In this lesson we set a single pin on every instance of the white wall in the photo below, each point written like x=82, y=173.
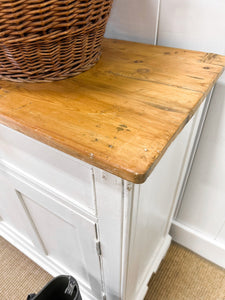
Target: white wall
x=134, y=20
x=193, y=24
x=198, y=25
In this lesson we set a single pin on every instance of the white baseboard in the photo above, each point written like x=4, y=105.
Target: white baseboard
x=198, y=243
x=21, y=243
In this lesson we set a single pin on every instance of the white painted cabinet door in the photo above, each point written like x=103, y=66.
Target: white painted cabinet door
x=69, y=240
x=63, y=237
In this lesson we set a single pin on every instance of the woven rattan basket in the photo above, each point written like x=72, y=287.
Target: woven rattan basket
x=45, y=40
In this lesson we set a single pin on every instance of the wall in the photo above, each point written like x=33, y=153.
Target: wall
x=199, y=223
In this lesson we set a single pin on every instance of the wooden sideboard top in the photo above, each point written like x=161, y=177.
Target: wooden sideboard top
x=121, y=115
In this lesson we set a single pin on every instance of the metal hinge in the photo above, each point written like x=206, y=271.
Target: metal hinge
x=98, y=248
x=99, y=253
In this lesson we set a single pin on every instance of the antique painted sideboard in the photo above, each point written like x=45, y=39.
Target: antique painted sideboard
x=91, y=167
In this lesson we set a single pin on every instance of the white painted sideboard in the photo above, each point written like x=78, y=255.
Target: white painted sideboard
x=91, y=167
x=70, y=217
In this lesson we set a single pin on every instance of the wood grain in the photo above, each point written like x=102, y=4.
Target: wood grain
x=122, y=114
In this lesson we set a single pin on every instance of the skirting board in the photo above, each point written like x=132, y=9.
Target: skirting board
x=18, y=241
x=198, y=243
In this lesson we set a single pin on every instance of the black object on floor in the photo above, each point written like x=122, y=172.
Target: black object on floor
x=62, y=287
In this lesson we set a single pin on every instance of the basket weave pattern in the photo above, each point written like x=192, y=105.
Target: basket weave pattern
x=45, y=40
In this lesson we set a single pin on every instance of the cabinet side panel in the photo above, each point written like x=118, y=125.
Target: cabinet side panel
x=154, y=206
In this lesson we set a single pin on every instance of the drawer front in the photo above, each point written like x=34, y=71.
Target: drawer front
x=59, y=172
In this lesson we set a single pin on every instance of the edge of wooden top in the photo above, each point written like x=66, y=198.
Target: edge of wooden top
x=141, y=178
x=126, y=174
x=210, y=58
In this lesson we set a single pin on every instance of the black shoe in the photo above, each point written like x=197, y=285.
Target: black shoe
x=60, y=288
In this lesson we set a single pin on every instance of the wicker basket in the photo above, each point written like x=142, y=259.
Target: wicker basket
x=45, y=40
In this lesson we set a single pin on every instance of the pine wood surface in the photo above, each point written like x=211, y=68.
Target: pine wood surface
x=122, y=114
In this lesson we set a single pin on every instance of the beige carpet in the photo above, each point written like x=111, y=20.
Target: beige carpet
x=184, y=275
x=181, y=276
x=19, y=276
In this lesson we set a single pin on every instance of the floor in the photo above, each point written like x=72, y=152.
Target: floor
x=181, y=276
x=184, y=275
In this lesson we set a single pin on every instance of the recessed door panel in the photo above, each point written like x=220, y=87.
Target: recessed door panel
x=69, y=240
